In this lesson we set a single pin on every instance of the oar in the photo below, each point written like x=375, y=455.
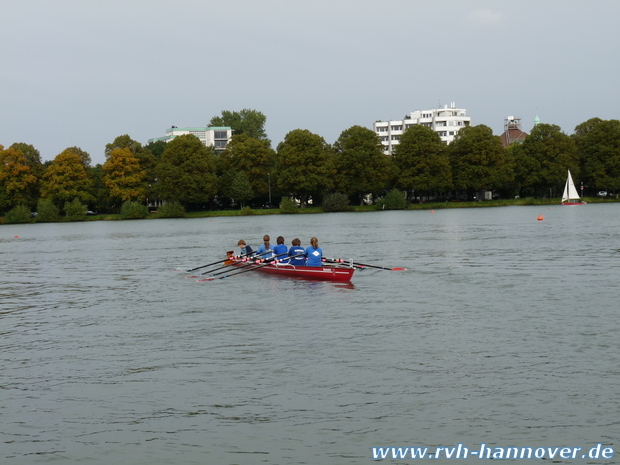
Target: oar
x=340, y=260
x=226, y=266
x=215, y=263
x=249, y=269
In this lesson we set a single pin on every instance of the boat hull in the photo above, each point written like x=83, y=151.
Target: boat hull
x=574, y=203
x=315, y=273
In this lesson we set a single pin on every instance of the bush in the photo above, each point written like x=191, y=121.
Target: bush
x=19, y=214
x=75, y=210
x=288, y=205
x=337, y=202
x=171, y=210
x=394, y=200
x=246, y=211
x=132, y=210
x=47, y=211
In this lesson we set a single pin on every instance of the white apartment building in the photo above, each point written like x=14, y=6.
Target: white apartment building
x=217, y=137
x=446, y=122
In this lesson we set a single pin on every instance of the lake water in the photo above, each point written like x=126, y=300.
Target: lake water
x=505, y=330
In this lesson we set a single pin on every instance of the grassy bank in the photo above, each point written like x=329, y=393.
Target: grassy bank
x=363, y=208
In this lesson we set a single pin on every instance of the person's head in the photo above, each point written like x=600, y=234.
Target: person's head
x=280, y=240
x=241, y=243
x=314, y=242
x=266, y=239
x=296, y=242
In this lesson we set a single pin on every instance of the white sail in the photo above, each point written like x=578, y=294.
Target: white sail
x=570, y=192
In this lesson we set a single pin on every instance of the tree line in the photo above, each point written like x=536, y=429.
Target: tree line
x=304, y=166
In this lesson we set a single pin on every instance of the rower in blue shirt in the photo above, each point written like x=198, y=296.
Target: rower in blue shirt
x=264, y=250
x=297, y=249
x=280, y=250
x=314, y=253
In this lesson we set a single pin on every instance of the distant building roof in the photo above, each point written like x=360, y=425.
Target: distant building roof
x=512, y=135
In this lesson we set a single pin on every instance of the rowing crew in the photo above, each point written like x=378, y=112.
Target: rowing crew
x=295, y=255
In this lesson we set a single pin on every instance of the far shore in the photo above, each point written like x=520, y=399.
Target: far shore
x=358, y=208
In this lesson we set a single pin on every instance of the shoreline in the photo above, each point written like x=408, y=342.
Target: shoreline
x=352, y=209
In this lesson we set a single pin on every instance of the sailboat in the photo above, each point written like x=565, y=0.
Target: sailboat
x=570, y=195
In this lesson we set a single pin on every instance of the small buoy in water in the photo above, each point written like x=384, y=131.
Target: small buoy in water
x=16, y=237
x=432, y=211
x=540, y=218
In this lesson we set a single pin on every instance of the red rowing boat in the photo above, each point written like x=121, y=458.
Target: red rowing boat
x=320, y=273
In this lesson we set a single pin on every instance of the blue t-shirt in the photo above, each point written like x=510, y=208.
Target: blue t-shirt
x=314, y=256
x=297, y=250
x=261, y=250
x=279, y=250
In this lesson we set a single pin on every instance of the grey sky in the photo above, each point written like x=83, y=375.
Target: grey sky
x=80, y=73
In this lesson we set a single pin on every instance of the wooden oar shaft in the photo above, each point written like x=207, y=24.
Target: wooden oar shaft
x=231, y=264
x=252, y=268
x=340, y=260
x=211, y=264
x=250, y=263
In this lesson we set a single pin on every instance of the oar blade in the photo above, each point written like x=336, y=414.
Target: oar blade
x=400, y=269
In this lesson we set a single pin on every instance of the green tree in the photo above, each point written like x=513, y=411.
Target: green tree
x=394, y=200
x=123, y=142
x=305, y=165
x=598, y=146
x=236, y=185
x=550, y=153
x=46, y=211
x=156, y=148
x=186, y=172
x=251, y=156
x=75, y=210
x=102, y=201
x=479, y=161
x=361, y=167
x=132, y=210
x=124, y=176
x=246, y=121
x=66, y=179
x=18, y=180
x=422, y=160
x=18, y=214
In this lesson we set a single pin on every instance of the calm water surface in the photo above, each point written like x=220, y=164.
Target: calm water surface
x=505, y=330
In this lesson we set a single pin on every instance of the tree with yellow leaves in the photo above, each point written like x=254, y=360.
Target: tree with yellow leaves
x=124, y=176
x=66, y=178
x=18, y=181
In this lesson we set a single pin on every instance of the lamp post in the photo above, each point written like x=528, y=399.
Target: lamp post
x=269, y=181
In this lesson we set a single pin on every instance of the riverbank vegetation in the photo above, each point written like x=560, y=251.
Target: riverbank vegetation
x=304, y=173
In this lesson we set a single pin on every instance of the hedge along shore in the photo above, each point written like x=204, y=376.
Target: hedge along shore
x=365, y=208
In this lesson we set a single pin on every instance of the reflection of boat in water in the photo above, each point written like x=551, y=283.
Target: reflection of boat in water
x=317, y=273
x=570, y=195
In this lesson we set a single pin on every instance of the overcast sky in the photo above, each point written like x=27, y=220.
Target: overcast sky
x=80, y=73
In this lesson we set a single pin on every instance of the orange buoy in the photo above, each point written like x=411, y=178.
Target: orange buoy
x=432, y=211
x=540, y=218
x=16, y=237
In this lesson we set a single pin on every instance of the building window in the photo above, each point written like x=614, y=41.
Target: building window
x=395, y=137
x=220, y=144
x=381, y=129
x=440, y=123
x=220, y=135
x=397, y=128
x=442, y=133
